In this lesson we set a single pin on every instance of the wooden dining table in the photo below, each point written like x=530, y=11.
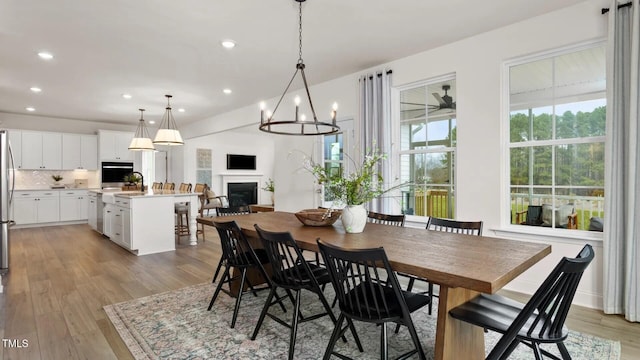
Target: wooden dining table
x=462, y=265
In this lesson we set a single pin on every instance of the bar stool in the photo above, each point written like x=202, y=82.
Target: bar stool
x=182, y=213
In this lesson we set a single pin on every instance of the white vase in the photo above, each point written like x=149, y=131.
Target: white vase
x=354, y=218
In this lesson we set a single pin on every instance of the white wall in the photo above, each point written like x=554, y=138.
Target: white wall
x=477, y=63
x=233, y=142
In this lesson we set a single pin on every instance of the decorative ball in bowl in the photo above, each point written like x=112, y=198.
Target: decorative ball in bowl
x=318, y=217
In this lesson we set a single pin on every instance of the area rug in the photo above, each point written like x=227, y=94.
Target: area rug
x=177, y=325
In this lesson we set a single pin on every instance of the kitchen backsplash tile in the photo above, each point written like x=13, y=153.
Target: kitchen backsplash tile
x=41, y=179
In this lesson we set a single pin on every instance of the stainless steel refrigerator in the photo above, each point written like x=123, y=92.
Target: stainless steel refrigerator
x=7, y=181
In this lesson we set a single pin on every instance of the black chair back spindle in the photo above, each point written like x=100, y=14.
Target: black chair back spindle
x=455, y=226
x=385, y=219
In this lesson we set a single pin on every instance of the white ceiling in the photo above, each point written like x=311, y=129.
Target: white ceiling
x=149, y=48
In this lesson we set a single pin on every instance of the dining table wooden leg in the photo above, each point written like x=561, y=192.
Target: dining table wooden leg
x=457, y=339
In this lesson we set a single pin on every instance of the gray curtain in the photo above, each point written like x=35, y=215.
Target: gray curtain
x=375, y=125
x=622, y=165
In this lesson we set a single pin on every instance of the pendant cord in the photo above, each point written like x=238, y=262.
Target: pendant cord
x=300, y=33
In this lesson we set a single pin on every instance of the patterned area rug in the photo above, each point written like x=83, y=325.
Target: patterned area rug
x=177, y=325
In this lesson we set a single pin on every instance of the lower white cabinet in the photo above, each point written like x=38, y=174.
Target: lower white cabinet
x=74, y=205
x=92, y=210
x=121, y=224
x=32, y=207
x=107, y=217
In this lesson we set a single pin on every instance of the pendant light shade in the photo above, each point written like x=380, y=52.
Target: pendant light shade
x=141, y=140
x=168, y=133
x=298, y=124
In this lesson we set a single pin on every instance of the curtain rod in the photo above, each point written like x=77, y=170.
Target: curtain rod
x=606, y=10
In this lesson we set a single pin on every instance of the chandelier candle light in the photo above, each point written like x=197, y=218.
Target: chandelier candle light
x=141, y=140
x=299, y=125
x=168, y=133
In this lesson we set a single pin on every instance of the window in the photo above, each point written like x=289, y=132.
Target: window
x=556, y=139
x=427, y=148
x=333, y=154
x=204, y=174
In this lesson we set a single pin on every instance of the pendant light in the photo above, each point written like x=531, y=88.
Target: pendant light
x=300, y=125
x=168, y=133
x=141, y=140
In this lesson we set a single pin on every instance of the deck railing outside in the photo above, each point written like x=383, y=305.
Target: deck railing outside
x=585, y=207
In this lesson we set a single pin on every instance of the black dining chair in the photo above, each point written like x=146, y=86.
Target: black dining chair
x=238, y=253
x=539, y=321
x=445, y=225
x=385, y=219
x=292, y=272
x=233, y=210
x=368, y=291
x=455, y=226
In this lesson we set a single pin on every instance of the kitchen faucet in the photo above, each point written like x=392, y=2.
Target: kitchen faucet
x=141, y=179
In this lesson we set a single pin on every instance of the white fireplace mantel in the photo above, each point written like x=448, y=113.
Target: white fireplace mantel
x=235, y=178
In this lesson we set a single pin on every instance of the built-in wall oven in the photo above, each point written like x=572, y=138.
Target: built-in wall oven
x=113, y=173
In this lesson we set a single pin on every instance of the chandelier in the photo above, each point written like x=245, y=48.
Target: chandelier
x=300, y=125
x=141, y=140
x=168, y=133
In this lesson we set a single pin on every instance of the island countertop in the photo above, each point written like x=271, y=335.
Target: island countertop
x=155, y=193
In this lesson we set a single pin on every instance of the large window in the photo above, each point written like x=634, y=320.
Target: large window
x=427, y=148
x=556, y=140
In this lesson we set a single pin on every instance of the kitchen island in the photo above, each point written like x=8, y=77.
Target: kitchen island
x=144, y=223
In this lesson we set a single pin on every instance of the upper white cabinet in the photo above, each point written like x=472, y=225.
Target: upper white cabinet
x=114, y=145
x=79, y=152
x=44, y=150
x=15, y=140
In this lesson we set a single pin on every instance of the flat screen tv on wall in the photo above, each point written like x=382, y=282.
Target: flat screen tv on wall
x=241, y=162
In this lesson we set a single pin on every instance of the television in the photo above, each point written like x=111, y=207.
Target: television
x=241, y=162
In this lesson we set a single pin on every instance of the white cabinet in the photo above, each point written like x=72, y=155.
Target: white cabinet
x=15, y=140
x=41, y=150
x=92, y=210
x=79, y=152
x=114, y=145
x=32, y=207
x=121, y=226
x=73, y=205
x=107, y=225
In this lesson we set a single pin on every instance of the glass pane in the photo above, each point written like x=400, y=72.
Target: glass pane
x=531, y=124
x=333, y=148
x=531, y=85
x=438, y=168
x=441, y=98
x=440, y=133
x=531, y=165
x=412, y=103
x=413, y=135
x=581, y=119
x=580, y=164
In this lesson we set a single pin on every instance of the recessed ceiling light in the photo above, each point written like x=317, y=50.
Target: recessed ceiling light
x=152, y=122
x=227, y=91
x=29, y=108
x=229, y=44
x=45, y=55
x=35, y=89
x=181, y=110
x=127, y=96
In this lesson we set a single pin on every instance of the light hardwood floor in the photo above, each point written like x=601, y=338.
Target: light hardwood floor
x=62, y=276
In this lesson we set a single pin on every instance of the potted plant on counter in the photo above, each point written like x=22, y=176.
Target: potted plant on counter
x=131, y=182
x=56, y=180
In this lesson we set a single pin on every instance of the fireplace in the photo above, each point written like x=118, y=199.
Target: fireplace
x=244, y=193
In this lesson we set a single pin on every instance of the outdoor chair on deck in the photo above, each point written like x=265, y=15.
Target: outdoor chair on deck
x=368, y=291
x=539, y=321
x=293, y=273
x=238, y=253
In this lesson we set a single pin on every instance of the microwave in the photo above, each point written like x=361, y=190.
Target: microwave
x=114, y=172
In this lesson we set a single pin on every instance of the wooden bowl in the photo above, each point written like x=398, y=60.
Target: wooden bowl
x=318, y=217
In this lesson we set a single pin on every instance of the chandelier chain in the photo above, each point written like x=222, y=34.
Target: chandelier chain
x=300, y=33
